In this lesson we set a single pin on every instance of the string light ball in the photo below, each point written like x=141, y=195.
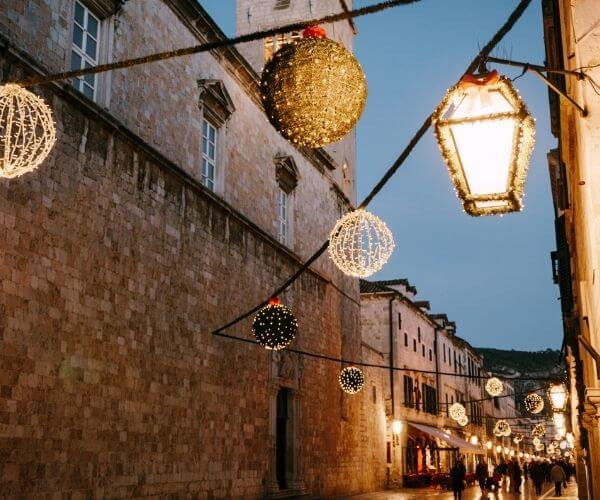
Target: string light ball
x=534, y=403
x=494, y=386
x=518, y=438
x=463, y=421
x=539, y=431
x=274, y=326
x=351, y=380
x=502, y=428
x=313, y=90
x=536, y=440
x=457, y=411
x=539, y=447
x=27, y=131
x=360, y=244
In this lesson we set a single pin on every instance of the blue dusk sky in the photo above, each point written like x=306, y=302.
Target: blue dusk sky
x=492, y=275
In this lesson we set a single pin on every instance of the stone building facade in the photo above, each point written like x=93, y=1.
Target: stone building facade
x=431, y=368
x=168, y=206
x=572, y=38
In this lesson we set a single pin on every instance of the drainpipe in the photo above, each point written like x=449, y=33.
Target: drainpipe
x=392, y=356
x=437, y=370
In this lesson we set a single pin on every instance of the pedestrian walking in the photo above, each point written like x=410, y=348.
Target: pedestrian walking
x=515, y=477
x=481, y=473
x=536, y=471
x=558, y=476
x=458, y=474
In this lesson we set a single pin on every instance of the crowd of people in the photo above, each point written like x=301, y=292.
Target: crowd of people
x=514, y=475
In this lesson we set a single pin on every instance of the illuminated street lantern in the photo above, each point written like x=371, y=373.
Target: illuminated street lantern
x=396, y=427
x=558, y=394
x=498, y=449
x=486, y=136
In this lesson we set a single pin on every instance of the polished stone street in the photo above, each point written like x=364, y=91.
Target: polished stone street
x=474, y=493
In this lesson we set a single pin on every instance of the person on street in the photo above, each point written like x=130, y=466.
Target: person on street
x=481, y=473
x=558, y=476
x=536, y=471
x=515, y=476
x=458, y=473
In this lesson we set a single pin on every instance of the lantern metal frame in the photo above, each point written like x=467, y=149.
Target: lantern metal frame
x=555, y=407
x=523, y=141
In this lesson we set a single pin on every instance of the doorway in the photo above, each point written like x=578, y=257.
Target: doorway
x=283, y=438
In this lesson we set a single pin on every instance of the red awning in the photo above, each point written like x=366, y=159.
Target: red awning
x=451, y=440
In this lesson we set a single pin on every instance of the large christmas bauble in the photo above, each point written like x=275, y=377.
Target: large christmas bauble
x=360, y=244
x=27, y=132
x=502, y=428
x=494, y=386
x=274, y=326
x=351, y=379
x=534, y=403
x=539, y=430
x=313, y=91
x=457, y=411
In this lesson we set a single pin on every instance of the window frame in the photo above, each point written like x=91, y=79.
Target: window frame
x=104, y=16
x=209, y=125
x=283, y=219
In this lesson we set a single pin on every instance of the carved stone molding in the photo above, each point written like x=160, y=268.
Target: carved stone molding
x=591, y=405
x=215, y=101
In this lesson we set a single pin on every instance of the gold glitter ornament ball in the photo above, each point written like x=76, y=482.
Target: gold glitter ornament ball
x=351, y=379
x=27, y=131
x=314, y=91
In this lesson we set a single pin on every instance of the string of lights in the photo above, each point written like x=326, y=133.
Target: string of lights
x=216, y=44
x=477, y=61
x=386, y=367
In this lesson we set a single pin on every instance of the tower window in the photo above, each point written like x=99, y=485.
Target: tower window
x=274, y=43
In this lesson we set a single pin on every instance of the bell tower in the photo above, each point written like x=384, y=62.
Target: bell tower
x=254, y=16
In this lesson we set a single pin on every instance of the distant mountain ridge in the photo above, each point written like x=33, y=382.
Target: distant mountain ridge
x=518, y=363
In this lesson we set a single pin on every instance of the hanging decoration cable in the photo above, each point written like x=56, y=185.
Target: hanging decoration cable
x=478, y=60
x=225, y=42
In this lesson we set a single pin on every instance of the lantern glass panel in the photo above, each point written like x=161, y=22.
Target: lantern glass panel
x=485, y=148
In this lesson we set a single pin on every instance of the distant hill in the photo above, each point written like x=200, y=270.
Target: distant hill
x=523, y=364
x=515, y=363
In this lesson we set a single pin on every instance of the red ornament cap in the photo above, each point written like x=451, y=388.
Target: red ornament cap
x=274, y=301
x=315, y=31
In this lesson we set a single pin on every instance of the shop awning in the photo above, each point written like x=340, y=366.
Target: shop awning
x=452, y=441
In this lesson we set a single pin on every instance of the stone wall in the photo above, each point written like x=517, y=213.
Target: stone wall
x=115, y=266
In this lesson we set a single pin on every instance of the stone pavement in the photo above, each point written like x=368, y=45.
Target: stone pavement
x=474, y=493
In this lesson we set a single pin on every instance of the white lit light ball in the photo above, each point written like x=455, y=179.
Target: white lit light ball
x=494, y=386
x=27, y=131
x=360, y=244
x=457, y=411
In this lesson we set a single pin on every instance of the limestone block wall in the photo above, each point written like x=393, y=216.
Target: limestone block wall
x=115, y=266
